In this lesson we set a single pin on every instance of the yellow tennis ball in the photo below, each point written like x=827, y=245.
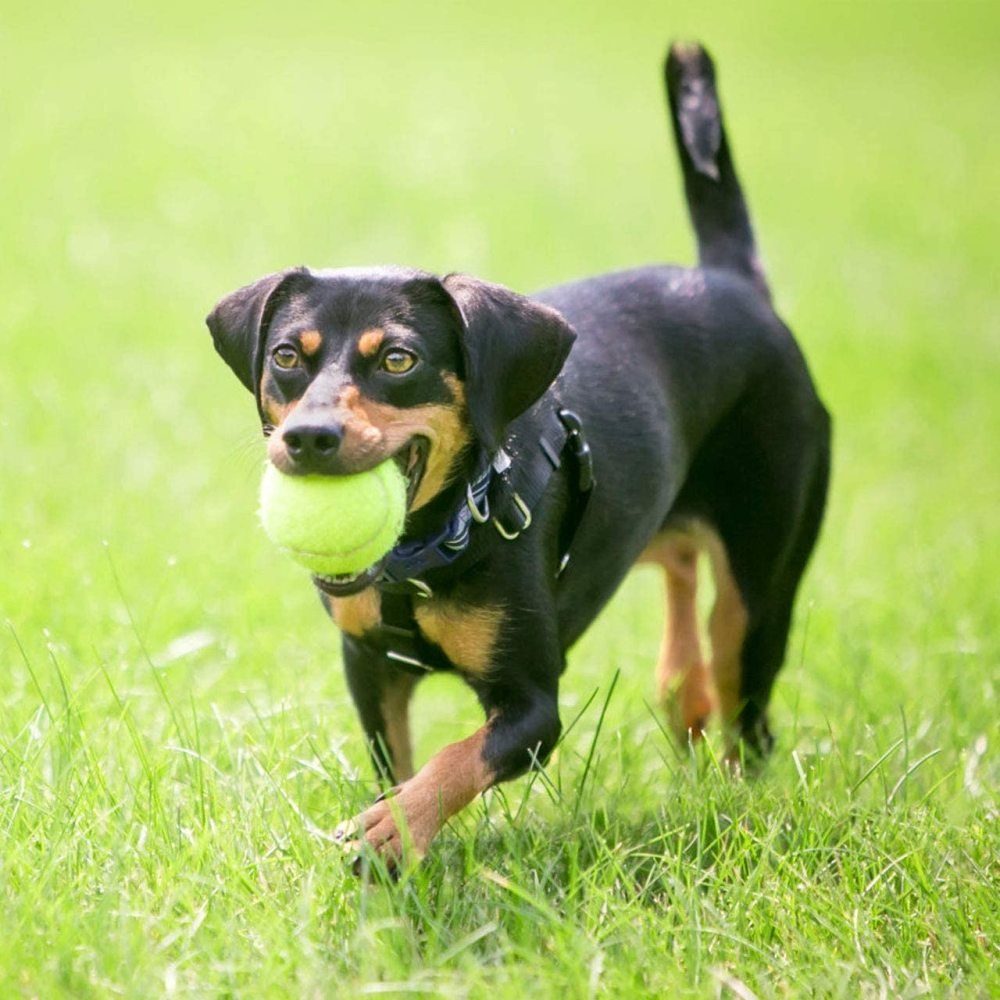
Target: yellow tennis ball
x=334, y=525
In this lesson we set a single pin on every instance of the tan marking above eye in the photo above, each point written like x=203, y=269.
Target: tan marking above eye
x=370, y=341
x=310, y=341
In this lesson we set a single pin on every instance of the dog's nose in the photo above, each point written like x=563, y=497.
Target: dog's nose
x=312, y=446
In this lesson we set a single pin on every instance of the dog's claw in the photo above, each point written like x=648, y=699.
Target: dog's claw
x=344, y=833
x=387, y=794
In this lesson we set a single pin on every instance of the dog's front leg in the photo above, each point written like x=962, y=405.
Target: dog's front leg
x=521, y=729
x=381, y=694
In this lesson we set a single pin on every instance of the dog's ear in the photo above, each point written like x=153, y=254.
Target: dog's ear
x=238, y=323
x=513, y=349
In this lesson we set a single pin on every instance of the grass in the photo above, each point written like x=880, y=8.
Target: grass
x=175, y=736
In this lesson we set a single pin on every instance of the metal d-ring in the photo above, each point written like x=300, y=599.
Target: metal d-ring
x=422, y=589
x=479, y=516
x=522, y=509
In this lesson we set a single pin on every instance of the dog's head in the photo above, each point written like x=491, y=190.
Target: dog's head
x=352, y=367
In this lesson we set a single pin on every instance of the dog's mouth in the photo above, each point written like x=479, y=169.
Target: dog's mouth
x=412, y=462
x=345, y=584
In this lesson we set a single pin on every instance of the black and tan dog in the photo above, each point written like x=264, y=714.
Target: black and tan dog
x=550, y=443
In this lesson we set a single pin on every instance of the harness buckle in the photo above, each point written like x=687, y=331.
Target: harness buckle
x=571, y=421
x=522, y=509
x=586, y=464
x=581, y=449
x=501, y=461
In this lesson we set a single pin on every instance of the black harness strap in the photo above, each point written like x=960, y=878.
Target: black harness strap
x=515, y=489
x=399, y=637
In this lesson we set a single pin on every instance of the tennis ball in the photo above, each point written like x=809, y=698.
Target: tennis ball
x=334, y=525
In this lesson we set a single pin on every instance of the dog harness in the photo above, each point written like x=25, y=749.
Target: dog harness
x=499, y=500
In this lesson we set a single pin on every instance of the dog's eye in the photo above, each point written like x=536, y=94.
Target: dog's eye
x=285, y=357
x=397, y=361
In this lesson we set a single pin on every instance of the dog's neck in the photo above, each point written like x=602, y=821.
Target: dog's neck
x=432, y=517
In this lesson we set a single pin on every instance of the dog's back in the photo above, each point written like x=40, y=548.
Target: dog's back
x=705, y=426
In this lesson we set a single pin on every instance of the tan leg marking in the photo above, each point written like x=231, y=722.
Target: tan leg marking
x=727, y=628
x=683, y=683
x=358, y=613
x=310, y=341
x=446, y=784
x=370, y=341
x=396, y=712
x=467, y=633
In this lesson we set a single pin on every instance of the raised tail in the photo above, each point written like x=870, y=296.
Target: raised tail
x=715, y=200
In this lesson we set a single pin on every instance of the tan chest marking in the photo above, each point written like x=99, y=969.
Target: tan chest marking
x=467, y=633
x=358, y=613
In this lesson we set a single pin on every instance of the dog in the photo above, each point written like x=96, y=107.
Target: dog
x=550, y=443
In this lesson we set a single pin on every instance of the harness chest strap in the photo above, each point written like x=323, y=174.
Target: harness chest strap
x=502, y=498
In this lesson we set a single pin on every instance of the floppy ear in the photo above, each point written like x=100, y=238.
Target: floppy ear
x=238, y=322
x=513, y=350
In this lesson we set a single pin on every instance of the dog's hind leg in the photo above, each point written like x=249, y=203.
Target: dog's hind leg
x=767, y=634
x=683, y=685
x=766, y=527
x=727, y=629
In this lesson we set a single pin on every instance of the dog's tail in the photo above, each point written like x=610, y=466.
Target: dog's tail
x=715, y=200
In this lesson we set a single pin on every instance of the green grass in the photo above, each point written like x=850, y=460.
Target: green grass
x=175, y=735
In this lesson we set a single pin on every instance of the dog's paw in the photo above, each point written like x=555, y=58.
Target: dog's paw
x=688, y=703
x=397, y=828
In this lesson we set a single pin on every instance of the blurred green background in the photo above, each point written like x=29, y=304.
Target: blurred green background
x=154, y=158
